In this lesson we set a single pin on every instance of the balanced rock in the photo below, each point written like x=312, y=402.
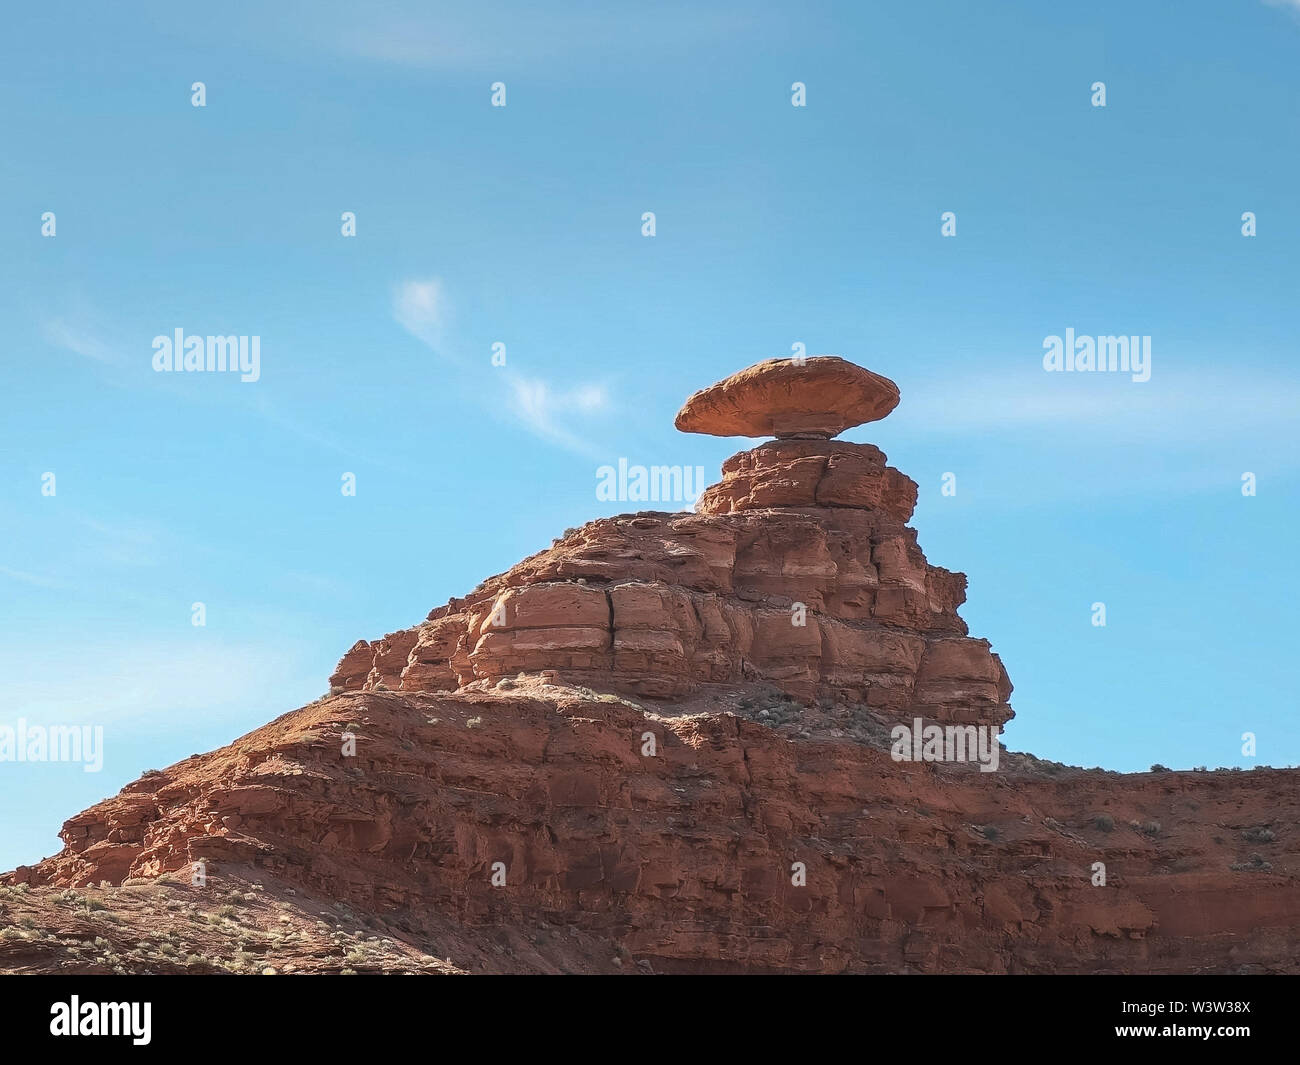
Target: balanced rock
x=797, y=571
x=769, y=645
x=819, y=396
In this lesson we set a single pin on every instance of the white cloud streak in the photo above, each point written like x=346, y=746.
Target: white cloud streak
x=420, y=307
x=1179, y=408
x=147, y=679
x=76, y=339
x=551, y=413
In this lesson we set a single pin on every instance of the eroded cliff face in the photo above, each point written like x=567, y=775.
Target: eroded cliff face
x=626, y=754
x=798, y=569
x=684, y=859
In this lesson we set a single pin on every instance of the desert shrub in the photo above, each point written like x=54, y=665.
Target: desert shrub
x=1103, y=822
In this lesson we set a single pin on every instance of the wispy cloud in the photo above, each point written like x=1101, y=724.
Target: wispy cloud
x=1176, y=408
x=1183, y=433
x=553, y=414
x=265, y=407
x=1292, y=7
x=34, y=579
x=128, y=543
x=420, y=307
x=78, y=339
x=145, y=679
x=483, y=37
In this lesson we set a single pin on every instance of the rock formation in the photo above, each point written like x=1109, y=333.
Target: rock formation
x=819, y=396
x=610, y=758
x=797, y=569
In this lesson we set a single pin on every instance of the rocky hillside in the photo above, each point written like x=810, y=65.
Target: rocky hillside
x=664, y=745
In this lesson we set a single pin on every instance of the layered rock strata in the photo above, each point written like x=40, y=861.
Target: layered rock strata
x=797, y=569
x=681, y=861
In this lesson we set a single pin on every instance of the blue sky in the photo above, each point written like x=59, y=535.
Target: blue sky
x=522, y=225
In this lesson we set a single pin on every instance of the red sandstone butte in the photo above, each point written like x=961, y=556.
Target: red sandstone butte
x=634, y=728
